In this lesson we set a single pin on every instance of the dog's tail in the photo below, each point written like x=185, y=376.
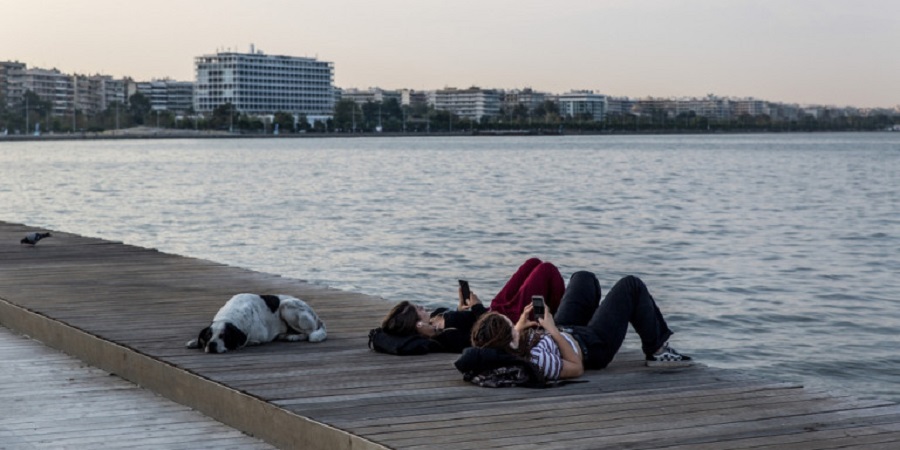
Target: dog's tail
x=320, y=333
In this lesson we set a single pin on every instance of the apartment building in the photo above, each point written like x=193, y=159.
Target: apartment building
x=472, y=103
x=95, y=93
x=750, y=107
x=529, y=98
x=581, y=103
x=51, y=85
x=11, y=82
x=411, y=98
x=260, y=84
x=374, y=95
x=619, y=105
x=165, y=94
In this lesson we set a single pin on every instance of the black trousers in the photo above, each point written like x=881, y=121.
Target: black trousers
x=600, y=327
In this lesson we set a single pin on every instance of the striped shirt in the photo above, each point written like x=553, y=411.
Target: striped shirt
x=545, y=354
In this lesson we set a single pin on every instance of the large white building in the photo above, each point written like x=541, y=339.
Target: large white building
x=259, y=84
x=581, y=103
x=473, y=103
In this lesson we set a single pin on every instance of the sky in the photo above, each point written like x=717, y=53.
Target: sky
x=827, y=52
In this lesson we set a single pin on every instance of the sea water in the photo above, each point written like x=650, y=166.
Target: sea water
x=775, y=254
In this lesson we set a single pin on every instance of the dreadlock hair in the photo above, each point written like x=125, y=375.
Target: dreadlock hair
x=401, y=319
x=493, y=330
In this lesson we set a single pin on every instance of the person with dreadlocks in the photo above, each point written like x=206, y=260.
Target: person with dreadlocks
x=585, y=333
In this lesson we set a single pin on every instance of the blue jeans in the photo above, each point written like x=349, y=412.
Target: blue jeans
x=600, y=327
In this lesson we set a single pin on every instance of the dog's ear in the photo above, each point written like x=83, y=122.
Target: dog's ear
x=201, y=340
x=234, y=338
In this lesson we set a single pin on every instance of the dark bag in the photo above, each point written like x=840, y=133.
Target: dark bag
x=398, y=345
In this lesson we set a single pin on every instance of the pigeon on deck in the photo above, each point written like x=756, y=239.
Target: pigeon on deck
x=33, y=238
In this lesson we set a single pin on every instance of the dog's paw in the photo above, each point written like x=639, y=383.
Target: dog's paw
x=292, y=337
x=319, y=335
x=193, y=343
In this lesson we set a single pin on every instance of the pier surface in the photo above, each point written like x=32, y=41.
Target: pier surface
x=52, y=400
x=129, y=310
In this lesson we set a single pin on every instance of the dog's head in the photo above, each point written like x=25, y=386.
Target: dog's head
x=219, y=337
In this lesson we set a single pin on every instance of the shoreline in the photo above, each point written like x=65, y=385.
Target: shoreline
x=190, y=134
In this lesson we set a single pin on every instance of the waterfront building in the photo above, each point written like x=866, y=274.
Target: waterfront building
x=411, y=98
x=472, y=103
x=374, y=95
x=95, y=93
x=712, y=107
x=784, y=112
x=655, y=106
x=53, y=86
x=581, y=104
x=166, y=94
x=750, y=107
x=12, y=82
x=259, y=84
x=527, y=97
x=619, y=105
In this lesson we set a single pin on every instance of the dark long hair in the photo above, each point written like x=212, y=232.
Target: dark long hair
x=492, y=330
x=401, y=319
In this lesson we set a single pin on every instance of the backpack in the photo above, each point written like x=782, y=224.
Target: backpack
x=413, y=344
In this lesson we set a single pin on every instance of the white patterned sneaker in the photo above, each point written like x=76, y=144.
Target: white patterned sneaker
x=669, y=357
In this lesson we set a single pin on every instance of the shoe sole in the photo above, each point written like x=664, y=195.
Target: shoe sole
x=670, y=364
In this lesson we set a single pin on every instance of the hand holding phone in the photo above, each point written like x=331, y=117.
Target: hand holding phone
x=466, y=293
x=537, y=303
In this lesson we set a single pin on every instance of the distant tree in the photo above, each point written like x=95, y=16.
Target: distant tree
x=223, y=117
x=347, y=115
x=138, y=107
x=285, y=122
x=546, y=109
x=303, y=123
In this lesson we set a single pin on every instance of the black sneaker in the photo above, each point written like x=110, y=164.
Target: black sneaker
x=669, y=357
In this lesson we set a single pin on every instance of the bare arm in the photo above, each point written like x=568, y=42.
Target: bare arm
x=572, y=365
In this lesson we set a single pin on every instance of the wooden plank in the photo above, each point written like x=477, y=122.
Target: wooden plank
x=147, y=304
x=51, y=400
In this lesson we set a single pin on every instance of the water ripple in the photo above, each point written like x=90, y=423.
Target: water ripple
x=772, y=253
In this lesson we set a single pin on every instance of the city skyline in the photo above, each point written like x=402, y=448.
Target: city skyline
x=808, y=52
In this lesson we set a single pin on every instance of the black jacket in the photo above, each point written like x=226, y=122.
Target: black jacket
x=454, y=339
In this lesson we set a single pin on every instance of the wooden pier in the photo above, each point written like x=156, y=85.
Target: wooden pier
x=129, y=311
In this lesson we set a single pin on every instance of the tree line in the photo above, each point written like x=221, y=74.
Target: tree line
x=392, y=117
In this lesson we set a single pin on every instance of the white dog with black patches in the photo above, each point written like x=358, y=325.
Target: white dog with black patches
x=251, y=319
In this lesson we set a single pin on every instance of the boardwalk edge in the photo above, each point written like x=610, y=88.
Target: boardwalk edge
x=246, y=413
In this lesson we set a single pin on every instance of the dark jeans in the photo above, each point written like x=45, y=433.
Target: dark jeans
x=601, y=326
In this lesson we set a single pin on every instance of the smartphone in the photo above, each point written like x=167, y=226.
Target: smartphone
x=466, y=293
x=537, y=301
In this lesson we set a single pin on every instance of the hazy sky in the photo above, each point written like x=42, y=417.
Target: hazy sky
x=834, y=52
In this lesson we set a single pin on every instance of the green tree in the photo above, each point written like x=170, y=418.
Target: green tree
x=223, y=117
x=303, y=123
x=347, y=116
x=138, y=108
x=285, y=122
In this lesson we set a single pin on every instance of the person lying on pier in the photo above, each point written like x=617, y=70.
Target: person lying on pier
x=409, y=329
x=585, y=333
